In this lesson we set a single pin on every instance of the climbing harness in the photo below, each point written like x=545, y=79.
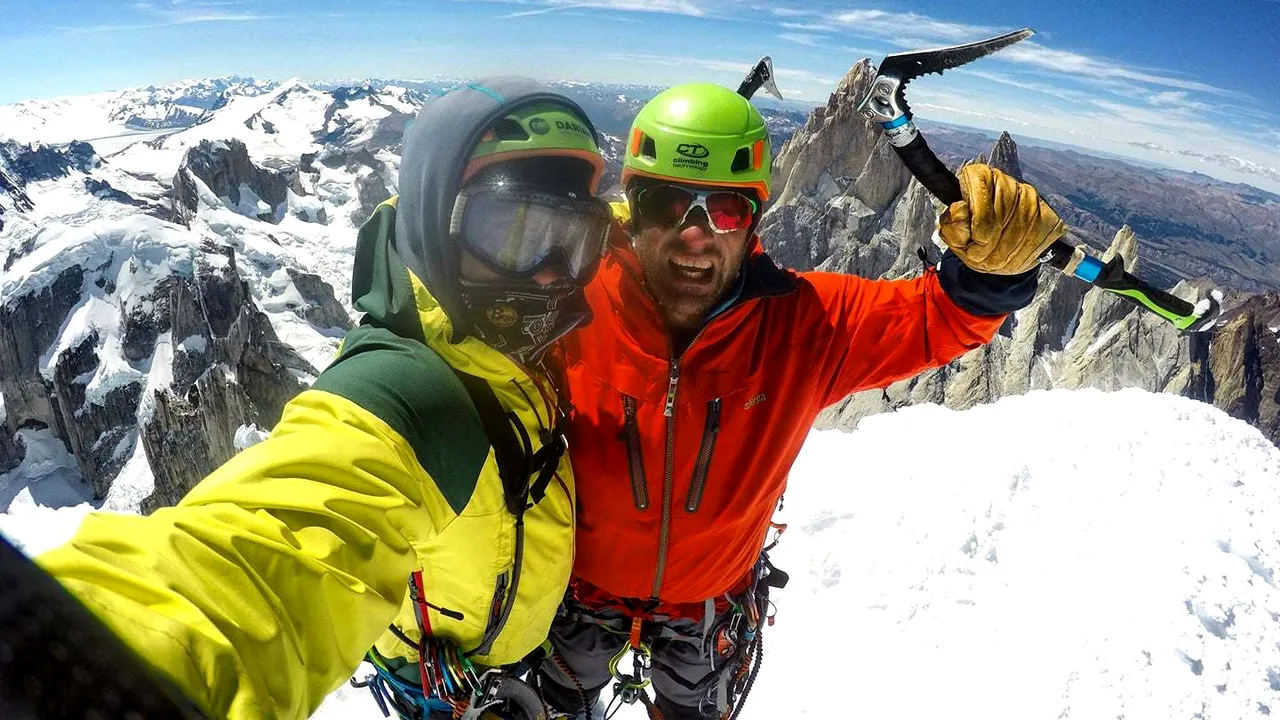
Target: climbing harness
x=732, y=644
x=629, y=688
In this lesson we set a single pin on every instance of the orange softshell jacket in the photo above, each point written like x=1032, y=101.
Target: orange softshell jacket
x=680, y=461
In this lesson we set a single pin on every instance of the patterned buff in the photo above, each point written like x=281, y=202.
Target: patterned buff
x=523, y=322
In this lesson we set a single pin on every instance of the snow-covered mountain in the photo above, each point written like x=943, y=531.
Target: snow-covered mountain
x=157, y=297
x=105, y=115
x=1054, y=556
x=180, y=105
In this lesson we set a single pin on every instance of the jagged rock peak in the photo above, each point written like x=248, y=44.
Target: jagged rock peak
x=849, y=92
x=835, y=142
x=1004, y=156
x=225, y=168
x=1125, y=244
x=37, y=161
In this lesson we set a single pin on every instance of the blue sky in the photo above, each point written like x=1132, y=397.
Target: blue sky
x=1192, y=84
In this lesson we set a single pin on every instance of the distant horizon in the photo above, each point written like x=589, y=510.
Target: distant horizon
x=1194, y=87
x=1021, y=136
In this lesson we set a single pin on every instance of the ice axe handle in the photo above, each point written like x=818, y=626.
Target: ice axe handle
x=1110, y=276
x=929, y=170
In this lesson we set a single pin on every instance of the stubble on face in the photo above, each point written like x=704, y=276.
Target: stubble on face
x=688, y=269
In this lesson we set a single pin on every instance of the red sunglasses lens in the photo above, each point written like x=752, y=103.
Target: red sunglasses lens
x=729, y=211
x=665, y=205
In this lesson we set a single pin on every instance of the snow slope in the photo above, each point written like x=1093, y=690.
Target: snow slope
x=130, y=115
x=1055, y=555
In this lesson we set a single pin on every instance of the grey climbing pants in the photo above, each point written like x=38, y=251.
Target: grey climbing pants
x=688, y=675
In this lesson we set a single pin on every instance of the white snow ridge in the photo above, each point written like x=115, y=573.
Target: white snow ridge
x=1059, y=555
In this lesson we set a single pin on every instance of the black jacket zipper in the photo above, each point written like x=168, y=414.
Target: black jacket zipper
x=631, y=436
x=709, y=433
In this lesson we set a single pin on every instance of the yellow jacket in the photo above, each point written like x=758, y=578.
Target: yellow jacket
x=262, y=590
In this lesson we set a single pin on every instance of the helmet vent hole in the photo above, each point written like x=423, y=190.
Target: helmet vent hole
x=648, y=149
x=508, y=129
x=741, y=160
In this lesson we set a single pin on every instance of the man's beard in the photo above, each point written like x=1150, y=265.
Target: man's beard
x=683, y=309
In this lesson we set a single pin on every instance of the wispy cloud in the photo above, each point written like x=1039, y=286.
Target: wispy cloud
x=1174, y=136
x=176, y=12
x=1065, y=62
x=1230, y=162
x=808, y=39
x=668, y=7
x=1005, y=79
x=881, y=23
x=539, y=11
x=809, y=27
x=794, y=83
x=915, y=31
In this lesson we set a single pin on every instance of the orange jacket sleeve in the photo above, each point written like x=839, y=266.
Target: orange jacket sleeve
x=887, y=330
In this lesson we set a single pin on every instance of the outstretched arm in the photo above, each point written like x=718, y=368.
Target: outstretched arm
x=261, y=591
x=887, y=330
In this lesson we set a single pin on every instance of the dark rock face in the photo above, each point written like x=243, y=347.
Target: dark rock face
x=1244, y=364
x=1004, y=156
x=322, y=309
x=103, y=190
x=843, y=204
x=229, y=369
x=372, y=190
x=225, y=168
x=11, y=449
x=145, y=320
x=33, y=163
x=100, y=433
x=28, y=326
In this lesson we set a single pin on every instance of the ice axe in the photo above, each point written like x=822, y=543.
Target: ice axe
x=760, y=76
x=886, y=104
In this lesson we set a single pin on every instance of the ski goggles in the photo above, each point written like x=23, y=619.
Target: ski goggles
x=670, y=205
x=517, y=232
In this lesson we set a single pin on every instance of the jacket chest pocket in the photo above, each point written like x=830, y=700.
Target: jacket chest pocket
x=706, y=449
x=635, y=460
x=630, y=437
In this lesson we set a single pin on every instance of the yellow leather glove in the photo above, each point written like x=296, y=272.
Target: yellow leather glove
x=1002, y=226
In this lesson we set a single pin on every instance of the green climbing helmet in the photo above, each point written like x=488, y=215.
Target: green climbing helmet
x=700, y=134
x=543, y=129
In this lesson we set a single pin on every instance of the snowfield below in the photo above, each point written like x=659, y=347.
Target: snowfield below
x=1056, y=555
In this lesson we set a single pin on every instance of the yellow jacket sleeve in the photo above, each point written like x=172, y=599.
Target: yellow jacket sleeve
x=261, y=591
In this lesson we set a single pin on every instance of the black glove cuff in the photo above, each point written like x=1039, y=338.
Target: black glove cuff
x=983, y=293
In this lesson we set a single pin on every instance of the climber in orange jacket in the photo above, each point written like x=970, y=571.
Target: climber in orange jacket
x=696, y=384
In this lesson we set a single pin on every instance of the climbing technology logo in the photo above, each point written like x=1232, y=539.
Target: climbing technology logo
x=503, y=316
x=754, y=402
x=691, y=156
x=693, y=150
x=539, y=126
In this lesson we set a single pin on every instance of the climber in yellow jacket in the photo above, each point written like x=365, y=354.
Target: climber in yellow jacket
x=417, y=497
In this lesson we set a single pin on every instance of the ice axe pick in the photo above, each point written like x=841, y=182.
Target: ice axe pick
x=886, y=103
